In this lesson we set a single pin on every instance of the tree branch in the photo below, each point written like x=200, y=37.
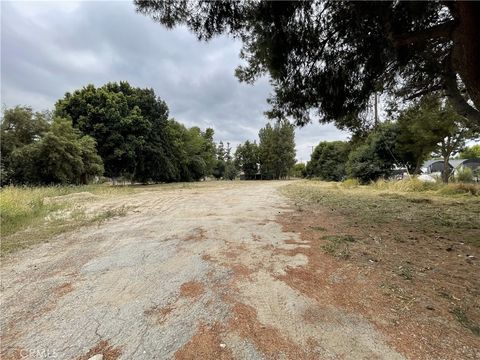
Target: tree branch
x=440, y=31
x=425, y=91
x=456, y=99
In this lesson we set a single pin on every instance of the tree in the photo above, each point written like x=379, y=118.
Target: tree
x=328, y=160
x=299, y=170
x=430, y=125
x=276, y=150
x=420, y=129
x=230, y=170
x=333, y=55
x=375, y=158
x=129, y=126
x=470, y=152
x=19, y=126
x=246, y=158
x=61, y=156
x=193, y=151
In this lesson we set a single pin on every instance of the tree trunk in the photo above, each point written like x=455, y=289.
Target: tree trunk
x=418, y=167
x=466, y=49
x=446, y=169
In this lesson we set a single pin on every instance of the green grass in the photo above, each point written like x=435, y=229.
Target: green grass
x=23, y=207
x=428, y=209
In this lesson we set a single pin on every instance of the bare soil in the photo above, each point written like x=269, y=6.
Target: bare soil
x=227, y=271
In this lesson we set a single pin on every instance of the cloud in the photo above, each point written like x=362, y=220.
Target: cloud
x=49, y=48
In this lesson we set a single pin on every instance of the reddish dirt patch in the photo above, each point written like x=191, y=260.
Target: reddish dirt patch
x=205, y=344
x=267, y=339
x=192, y=289
x=413, y=310
x=103, y=347
x=241, y=270
x=63, y=289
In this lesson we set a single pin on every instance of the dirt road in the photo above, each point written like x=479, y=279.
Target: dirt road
x=187, y=273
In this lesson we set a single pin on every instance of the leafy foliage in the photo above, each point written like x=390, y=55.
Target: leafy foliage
x=470, y=152
x=193, y=151
x=129, y=125
x=333, y=55
x=375, y=158
x=328, y=161
x=60, y=155
x=276, y=150
x=246, y=159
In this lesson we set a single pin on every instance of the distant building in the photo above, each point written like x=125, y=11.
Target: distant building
x=436, y=166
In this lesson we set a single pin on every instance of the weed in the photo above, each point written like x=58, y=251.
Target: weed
x=338, y=245
x=405, y=271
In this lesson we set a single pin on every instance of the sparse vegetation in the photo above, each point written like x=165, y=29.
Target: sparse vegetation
x=338, y=245
x=451, y=209
x=31, y=215
x=463, y=319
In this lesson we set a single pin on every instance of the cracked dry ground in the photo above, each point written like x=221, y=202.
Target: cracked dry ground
x=199, y=273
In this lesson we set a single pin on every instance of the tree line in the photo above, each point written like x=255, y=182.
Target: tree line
x=273, y=157
x=124, y=132
x=429, y=127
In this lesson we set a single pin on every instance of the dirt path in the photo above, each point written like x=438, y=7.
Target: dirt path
x=190, y=273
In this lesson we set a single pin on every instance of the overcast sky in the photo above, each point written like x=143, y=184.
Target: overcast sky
x=49, y=48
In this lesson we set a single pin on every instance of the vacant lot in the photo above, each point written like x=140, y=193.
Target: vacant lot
x=245, y=270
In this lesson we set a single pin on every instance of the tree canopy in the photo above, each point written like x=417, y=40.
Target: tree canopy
x=328, y=160
x=331, y=56
x=129, y=125
x=470, y=152
x=276, y=150
x=246, y=159
x=36, y=150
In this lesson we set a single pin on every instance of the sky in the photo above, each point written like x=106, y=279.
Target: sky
x=50, y=48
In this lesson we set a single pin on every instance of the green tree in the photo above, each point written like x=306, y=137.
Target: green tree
x=375, y=158
x=328, y=160
x=61, y=155
x=19, y=126
x=430, y=125
x=129, y=125
x=246, y=158
x=420, y=128
x=276, y=150
x=299, y=170
x=193, y=151
x=231, y=171
x=470, y=152
x=333, y=55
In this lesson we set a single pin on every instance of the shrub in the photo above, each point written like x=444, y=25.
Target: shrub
x=464, y=175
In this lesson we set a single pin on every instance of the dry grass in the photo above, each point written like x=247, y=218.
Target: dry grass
x=412, y=264
x=450, y=210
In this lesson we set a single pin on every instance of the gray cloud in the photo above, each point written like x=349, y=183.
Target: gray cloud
x=49, y=48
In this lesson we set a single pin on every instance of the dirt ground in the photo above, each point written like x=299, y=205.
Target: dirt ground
x=229, y=271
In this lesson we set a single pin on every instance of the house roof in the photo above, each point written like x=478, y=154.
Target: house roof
x=455, y=163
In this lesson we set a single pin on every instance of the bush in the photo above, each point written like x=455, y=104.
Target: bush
x=374, y=159
x=464, y=175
